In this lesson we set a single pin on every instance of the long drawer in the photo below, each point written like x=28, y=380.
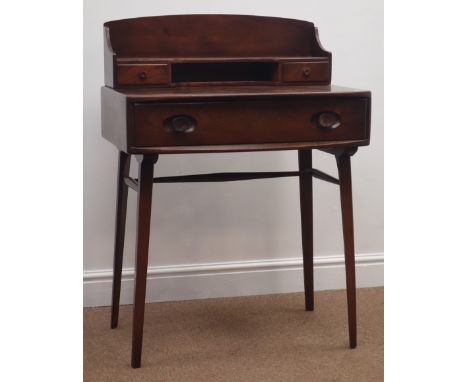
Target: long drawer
x=244, y=122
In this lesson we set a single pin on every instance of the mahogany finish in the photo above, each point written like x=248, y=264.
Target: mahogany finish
x=307, y=225
x=304, y=71
x=247, y=122
x=344, y=170
x=225, y=40
x=121, y=214
x=145, y=188
x=225, y=83
x=273, y=116
x=143, y=74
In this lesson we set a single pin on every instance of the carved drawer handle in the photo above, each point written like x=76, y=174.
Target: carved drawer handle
x=180, y=124
x=328, y=120
x=306, y=71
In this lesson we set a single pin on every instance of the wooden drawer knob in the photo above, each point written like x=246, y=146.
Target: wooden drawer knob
x=180, y=124
x=306, y=71
x=142, y=75
x=329, y=120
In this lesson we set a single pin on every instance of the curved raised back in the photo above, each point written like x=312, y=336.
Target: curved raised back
x=213, y=36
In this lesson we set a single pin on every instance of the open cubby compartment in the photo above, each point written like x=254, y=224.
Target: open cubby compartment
x=225, y=71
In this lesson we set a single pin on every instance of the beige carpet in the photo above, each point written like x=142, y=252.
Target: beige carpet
x=261, y=338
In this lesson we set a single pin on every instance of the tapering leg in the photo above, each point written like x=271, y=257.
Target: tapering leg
x=305, y=190
x=344, y=170
x=145, y=188
x=121, y=215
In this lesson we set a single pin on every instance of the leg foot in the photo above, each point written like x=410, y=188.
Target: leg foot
x=305, y=190
x=344, y=170
x=145, y=188
x=121, y=214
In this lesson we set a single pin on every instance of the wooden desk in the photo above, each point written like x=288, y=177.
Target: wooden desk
x=225, y=83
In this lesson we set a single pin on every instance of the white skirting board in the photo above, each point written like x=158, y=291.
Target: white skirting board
x=229, y=279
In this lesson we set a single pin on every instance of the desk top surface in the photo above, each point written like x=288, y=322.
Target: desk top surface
x=235, y=91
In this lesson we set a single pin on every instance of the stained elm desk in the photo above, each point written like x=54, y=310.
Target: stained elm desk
x=225, y=99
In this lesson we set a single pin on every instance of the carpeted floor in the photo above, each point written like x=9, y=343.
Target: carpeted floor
x=260, y=338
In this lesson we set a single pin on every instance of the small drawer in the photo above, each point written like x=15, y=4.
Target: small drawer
x=143, y=74
x=305, y=72
x=250, y=122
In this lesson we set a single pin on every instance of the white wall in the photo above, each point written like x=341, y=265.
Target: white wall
x=240, y=221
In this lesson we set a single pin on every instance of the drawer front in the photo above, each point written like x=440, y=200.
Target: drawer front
x=141, y=74
x=218, y=123
x=305, y=72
